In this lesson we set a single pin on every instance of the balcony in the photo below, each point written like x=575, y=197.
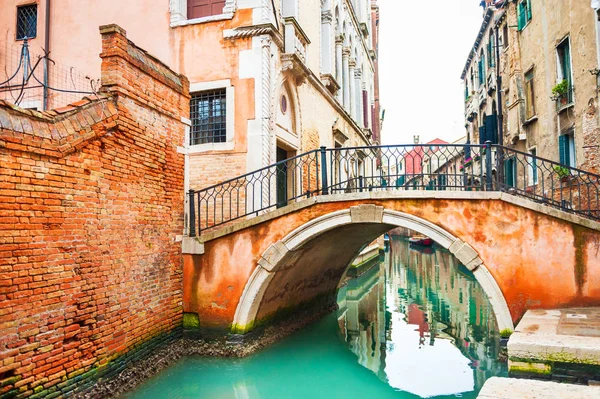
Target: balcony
x=471, y=106
x=295, y=49
x=482, y=96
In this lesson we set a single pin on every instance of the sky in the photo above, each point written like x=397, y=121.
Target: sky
x=423, y=48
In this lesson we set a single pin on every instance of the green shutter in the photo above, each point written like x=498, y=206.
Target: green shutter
x=529, y=10
x=509, y=172
x=521, y=16
x=491, y=128
x=482, y=135
x=563, y=149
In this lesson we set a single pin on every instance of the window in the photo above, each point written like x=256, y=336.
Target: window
x=505, y=36
x=524, y=12
x=510, y=172
x=204, y=8
x=27, y=22
x=529, y=94
x=482, y=69
x=490, y=52
x=532, y=163
x=566, y=149
x=563, y=54
x=209, y=116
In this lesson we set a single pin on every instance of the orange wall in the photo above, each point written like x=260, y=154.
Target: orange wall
x=197, y=51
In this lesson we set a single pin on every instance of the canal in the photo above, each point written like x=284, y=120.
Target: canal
x=415, y=324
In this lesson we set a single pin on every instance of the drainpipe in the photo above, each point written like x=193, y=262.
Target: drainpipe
x=47, y=50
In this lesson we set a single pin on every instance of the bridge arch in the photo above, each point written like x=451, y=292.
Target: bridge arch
x=275, y=269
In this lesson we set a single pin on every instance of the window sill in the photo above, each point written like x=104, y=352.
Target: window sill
x=526, y=25
x=196, y=21
x=201, y=148
x=529, y=121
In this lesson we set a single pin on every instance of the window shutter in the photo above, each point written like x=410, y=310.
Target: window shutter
x=529, y=14
x=482, y=137
x=204, y=8
x=521, y=16
x=509, y=172
x=490, y=129
x=563, y=149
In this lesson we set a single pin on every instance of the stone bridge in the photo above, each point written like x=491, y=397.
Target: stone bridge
x=524, y=254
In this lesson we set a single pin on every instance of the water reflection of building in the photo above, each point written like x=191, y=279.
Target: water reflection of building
x=362, y=317
x=431, y=301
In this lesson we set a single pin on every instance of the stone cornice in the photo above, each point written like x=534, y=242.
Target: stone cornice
x=255, y=30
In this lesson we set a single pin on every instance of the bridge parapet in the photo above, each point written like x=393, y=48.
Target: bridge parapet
x=398, y=168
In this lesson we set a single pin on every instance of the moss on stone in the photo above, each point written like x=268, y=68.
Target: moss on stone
x=10, y=394
x=10, y=380
x=279, y=315
x=191, y=321
x=530, y=368
x=506, y=333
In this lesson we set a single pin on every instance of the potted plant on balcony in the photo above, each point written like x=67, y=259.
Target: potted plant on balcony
x=563, y=173
x=560, y=92
x=468, y=162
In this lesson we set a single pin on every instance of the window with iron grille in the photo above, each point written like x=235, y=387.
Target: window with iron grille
x=208, y=113
x=27, y=22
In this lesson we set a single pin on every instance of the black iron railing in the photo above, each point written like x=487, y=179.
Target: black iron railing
x=436, y=167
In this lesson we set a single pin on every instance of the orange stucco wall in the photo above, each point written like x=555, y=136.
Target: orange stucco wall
x=537, y=260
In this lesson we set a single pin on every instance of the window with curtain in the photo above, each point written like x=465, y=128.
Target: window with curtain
x=529, y=94
x=204, y=8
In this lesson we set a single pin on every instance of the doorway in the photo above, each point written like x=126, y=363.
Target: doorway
x=281, y=178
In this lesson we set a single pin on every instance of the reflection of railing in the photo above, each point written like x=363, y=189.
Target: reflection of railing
x=435, y=167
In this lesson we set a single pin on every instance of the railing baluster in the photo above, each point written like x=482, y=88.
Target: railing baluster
x=192, y=221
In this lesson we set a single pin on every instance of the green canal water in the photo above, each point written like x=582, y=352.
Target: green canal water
x=415, y=325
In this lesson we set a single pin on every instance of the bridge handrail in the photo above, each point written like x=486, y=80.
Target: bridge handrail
x=554, y=163
x=466, y=167
x=265, y=168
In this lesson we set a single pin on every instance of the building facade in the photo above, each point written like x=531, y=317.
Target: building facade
x=268, y=79
x=531, y=83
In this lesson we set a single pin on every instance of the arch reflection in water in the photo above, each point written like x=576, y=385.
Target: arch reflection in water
x=421, y=322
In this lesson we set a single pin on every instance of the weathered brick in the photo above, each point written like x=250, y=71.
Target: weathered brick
x=91, y=200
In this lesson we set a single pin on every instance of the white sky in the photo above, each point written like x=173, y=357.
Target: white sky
x=423, y=47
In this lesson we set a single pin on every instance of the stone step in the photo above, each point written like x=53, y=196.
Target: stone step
x=561, y=345
x=513, y=388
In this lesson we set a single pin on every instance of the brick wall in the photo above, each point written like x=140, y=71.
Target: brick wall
x=91, y=202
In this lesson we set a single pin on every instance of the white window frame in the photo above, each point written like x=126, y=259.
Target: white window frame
x=229, y=143
x=178, y=11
